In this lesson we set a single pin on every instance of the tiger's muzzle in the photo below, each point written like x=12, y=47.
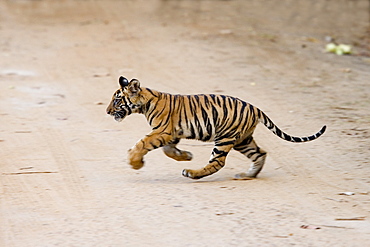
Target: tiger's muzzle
x=120, y=115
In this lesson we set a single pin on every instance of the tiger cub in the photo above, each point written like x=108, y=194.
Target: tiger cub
x=227, y=121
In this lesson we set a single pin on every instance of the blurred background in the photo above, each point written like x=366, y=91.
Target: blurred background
x=64, y=174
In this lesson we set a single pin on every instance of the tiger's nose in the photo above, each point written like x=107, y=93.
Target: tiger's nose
x=109, y=111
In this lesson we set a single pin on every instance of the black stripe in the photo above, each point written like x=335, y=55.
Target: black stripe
x=241, y=114
x=258, y=156
x=253, y=116
x=312, y=137
x=204, y=115
x=150, y=91
x=209, y=132
x=278, y=132
x=156, y=127
x=214, y=115
x=224, y=143
x=192, y=132
x=213, y=98
x=219, y=153
x=287, y=137
x=215, y=168
x=151, y=116
x=206, y=100
x=230, y=102
x=259, y=113
x=297, y=139
x=218, y=101
x=235, y=114
x=169, y=111
x=154, y=146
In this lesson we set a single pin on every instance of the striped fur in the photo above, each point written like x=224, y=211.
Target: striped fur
x=227, y=121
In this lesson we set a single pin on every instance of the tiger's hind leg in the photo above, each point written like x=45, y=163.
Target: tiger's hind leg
x=216, y=162
x=173, y=152
x=249, y=148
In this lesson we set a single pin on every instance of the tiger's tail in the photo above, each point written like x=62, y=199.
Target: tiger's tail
x=263, y=118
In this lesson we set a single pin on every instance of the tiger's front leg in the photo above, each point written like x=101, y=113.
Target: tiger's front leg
x=148, y=143
x=216, y=162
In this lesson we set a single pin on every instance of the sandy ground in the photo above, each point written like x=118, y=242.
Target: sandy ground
x=64, y=176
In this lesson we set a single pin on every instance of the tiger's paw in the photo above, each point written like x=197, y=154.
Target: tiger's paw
x=135, y=160
x=177, y=154
x=137, y=164
x=190, y=174
x=183, y=156
x=243, y=176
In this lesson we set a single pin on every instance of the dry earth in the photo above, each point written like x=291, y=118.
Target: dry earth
x=64, y=176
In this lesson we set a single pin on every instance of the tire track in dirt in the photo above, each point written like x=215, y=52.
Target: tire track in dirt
x=67, y=166
x=23, y=196
x=26, y=200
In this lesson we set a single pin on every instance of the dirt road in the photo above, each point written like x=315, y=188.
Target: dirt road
x=64, y=176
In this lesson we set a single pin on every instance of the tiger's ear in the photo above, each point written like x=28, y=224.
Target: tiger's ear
x=123, y=82
x=134, y=87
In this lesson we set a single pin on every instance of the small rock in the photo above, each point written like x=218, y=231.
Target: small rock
x=347, y=70
x=310, y=227
x=225, y=31
x=346, y=193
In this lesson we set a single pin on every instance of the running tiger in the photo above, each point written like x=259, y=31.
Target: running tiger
x=226, y=120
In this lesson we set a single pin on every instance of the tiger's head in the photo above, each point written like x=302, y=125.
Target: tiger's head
x=125, y=100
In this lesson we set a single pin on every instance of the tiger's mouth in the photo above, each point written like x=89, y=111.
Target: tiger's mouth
x=119, y=116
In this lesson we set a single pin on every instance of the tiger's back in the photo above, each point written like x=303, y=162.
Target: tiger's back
x=201, y=117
